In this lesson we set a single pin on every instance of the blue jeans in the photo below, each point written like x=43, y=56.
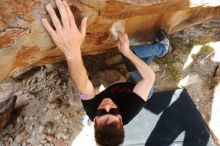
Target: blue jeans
x=147, y=53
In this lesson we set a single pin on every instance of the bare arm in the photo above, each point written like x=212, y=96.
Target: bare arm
x=143, y=87
x=69, y=39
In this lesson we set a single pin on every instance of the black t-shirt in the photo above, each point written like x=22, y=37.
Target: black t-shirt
x=129, y=103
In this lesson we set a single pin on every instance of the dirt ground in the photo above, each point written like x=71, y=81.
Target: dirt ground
x=48, y=111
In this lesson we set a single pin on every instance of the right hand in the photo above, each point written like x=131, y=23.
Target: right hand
x=66, y=34
x=123, y=44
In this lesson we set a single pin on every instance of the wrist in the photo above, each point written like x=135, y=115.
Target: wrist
x=128, y=53
x=73, y=55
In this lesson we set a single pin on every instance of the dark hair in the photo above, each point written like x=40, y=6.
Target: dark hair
x=109, y=134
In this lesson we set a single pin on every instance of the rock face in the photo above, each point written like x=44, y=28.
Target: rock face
x=6, y=107
x=24, y=42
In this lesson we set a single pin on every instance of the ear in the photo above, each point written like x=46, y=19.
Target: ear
x=94, y=120
x=120, y=117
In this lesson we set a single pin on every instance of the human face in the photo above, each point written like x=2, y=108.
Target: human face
x=107, y=104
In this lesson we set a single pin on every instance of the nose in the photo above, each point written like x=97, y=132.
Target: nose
x=107, y=107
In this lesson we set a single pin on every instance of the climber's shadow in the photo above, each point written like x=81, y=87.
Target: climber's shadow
x=179, y=116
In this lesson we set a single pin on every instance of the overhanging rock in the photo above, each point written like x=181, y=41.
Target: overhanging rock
x=24, y=42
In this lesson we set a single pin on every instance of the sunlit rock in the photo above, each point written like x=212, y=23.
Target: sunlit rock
x=25, y=43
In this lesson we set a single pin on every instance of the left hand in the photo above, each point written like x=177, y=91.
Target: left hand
x=123, y=44
x=66, y=36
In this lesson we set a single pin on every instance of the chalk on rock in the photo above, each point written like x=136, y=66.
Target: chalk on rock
x=117, y=26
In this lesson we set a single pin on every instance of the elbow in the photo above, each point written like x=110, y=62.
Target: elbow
x=150, y=78
x=154, y=76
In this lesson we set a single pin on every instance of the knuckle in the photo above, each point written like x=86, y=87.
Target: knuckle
x=57, y=41
x=54, y=38
x=57, y=24
x=50, y=31
x=64, y=17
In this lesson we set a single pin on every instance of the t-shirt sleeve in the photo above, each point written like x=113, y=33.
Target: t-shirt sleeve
x=129, y=104
x=91, y=106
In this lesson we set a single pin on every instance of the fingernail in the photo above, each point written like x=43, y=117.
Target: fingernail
x=48, y=6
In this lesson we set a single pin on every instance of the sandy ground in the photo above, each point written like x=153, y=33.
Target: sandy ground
x=49, y=112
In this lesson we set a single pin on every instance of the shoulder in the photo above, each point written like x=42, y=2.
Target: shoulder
x=91, y=105
x=129, y=105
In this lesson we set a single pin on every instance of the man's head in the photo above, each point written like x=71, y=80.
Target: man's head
x=109, y=129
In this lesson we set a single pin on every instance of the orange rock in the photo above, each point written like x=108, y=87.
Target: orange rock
x=21, y=137
x=25, y=43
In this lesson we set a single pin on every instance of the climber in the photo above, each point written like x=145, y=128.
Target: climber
x=119, y=103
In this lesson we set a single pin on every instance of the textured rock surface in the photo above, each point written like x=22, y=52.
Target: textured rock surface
x=45, y=86
x=24, y=42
